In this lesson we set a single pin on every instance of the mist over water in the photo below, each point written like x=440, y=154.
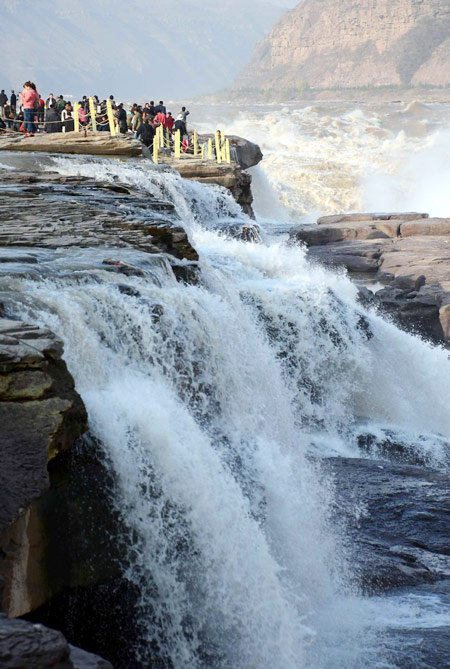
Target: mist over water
x=215, y=403
x=328, y=158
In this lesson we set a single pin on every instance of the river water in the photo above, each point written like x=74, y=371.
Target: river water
x=217, y=402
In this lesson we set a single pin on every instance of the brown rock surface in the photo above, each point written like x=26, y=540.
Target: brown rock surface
x=100, y=144
x=41, y=416
x=410, y=256
x=341, y=43
x=78, y=211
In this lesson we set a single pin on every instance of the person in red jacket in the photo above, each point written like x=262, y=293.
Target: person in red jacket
x=28, y=98
x=169, y=121
x=161, y=118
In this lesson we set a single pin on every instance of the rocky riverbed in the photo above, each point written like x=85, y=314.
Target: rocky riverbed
x=409, y=254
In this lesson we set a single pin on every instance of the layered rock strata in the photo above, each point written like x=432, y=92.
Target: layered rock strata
x=408, y=253
x=53, y=211
x=231, y=176
x=41, y=416
x=101, y=144
x=344, y=44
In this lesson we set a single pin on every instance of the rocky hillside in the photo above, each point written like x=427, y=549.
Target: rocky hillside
x=341, y=43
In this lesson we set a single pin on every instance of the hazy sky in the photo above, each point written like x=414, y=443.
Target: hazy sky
x=131, y=48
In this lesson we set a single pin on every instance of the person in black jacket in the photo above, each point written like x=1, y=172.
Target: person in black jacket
x=3, y=102
x=121, y=116
x=13, y=101
x=50, y=101
x=181, y=126
x=160, y=108
x=52, y=120
x=146, y=133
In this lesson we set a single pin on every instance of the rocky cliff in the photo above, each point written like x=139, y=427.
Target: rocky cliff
x=341, y=43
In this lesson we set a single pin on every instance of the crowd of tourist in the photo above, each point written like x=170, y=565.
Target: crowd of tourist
x=29, y=113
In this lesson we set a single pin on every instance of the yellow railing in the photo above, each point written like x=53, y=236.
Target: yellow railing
x=217, y=149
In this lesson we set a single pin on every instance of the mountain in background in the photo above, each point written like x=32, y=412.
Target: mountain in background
x=347, y=44
x=132, y=49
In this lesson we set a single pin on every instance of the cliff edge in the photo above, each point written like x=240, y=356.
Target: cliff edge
x=343, y=44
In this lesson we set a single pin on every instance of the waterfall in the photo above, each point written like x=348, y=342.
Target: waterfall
x=213, y=403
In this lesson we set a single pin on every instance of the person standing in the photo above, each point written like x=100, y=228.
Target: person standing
x=13, y=101
x=60, y=104
x=3, y=102
x=67, y=119
x=121, y=116
x=146, y=133
x=180, y=125
x=28, y=99
x=184, y=114
x=50, y=102
x=160, y=108
x=170, y=121
x=137, y=121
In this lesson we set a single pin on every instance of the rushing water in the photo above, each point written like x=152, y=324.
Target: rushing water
x=210, y=400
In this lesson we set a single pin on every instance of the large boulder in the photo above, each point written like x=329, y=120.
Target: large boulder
x=27, y=646
x=41, y=415
x=409, y=253
x=246, y=153
x=402, y=536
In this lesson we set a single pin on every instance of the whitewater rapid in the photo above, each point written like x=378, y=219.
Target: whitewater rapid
x=329, y=158
x=214, y=404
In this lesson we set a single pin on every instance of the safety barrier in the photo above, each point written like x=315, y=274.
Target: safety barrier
x=165, y=140
x=218, y=149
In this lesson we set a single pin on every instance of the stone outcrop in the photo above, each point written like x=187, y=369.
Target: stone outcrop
x=24, y=645
x=245, y=153
x=228, y=176
x=402, y=537
x=233, y=177
x=409, y=253
x=41, y=416
x=344, y=44
x=97, y=215
x=100, y=144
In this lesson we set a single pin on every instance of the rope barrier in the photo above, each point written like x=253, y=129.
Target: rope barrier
x=164, y=138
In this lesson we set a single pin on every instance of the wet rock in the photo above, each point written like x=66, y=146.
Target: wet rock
x=128, y=290
x=186, y=273
x=415, y=311
x=409, y=253
x=18, y=258
x=24, y=645
x=122, y=267
x=390, y=447
x=228, y=176
x=397, y=517
x=242, y=232
x=81, y=659
x=245, y=153
x=41, y=416
x=78, y=211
